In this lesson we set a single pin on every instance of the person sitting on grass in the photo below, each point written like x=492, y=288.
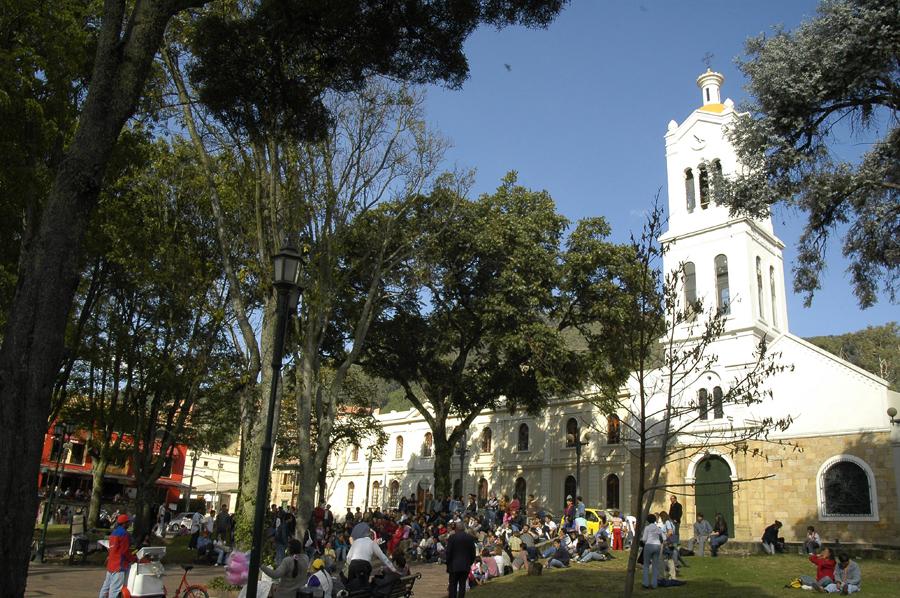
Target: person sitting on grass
x=847, y=576
x=771, y=543
x=489, y=565
x=824, y=563
x=521, y=560
x=560, y=558
x=702, y=530
x=719, y=535
x=598, y=550
x=813, y=540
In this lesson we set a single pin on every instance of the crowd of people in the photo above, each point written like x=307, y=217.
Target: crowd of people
x=506, y=535
x=476, y=543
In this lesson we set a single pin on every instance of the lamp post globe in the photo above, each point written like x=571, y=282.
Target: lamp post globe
x=287, y=264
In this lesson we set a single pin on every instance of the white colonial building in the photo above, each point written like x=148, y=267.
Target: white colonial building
x=845, y=480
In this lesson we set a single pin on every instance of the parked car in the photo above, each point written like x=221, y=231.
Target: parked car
x=592, y=516
x=179, y=520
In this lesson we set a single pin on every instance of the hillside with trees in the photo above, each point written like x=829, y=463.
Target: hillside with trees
x=875, y=349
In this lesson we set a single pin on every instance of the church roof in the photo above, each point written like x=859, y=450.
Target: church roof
x=716, y=108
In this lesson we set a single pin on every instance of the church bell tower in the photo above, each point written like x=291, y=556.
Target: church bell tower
x=731, y=264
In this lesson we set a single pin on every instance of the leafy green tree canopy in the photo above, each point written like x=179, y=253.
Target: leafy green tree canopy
x=837, y=72
x=266, y=70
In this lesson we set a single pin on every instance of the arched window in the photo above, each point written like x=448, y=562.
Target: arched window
x=398, y=449
x=486, y=439
x=723, y=296
x=351, y=487
x=612, y=491
x=704, y=188
x=846, y=489
x=354, y=453
x=613, y=429
x=394, y=494
x=376, y=494
x=482, y=492
x=569, y=488
x=427, y=444
x=689, y=189
x=519, y=490
x=717, y=175
x=759, y=289
x=703, y=400
x=523, y=437
x=690, y=286
x=571, y=432
x=718, y=408
x=772, y=291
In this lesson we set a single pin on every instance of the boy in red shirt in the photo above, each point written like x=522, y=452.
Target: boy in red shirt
x=119, y=558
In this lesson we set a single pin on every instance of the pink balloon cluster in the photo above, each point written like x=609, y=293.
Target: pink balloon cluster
x=238, y=568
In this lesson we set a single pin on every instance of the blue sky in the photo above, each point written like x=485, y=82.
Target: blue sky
x=582, y=110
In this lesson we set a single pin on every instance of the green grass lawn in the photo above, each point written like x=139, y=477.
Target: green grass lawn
x=56, y=534
x=724, y=577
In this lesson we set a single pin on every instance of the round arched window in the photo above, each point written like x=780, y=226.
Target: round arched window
x=846, y=488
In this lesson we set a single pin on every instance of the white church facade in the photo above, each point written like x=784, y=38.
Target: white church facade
x=839, y=468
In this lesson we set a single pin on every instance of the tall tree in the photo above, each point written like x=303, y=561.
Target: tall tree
x=834, y=80
x=471, y=324
x=418, y=40
x=154, y=349
x=127, y=38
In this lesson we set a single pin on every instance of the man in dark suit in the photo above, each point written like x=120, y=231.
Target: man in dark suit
x=675, y=513
x=460, y=556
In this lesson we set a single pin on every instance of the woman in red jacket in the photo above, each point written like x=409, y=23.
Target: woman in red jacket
x=824, y=562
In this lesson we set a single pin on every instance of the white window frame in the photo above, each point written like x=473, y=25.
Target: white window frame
x=820, y=490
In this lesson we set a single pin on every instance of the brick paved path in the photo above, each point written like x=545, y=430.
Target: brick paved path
x=84, y=582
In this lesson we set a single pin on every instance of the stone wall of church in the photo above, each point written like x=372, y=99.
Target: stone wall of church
x=791, y=496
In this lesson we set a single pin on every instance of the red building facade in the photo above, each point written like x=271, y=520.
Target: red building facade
x=75, y=470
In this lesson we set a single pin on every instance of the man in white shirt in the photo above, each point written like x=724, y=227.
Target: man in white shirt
x=209, y=521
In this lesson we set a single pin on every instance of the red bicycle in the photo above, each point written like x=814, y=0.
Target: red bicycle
x=189, y=590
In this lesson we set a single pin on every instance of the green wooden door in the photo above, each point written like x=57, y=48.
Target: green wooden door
x=713, y=492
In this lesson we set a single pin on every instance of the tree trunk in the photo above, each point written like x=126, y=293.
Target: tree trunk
x=98, y=470
x=253, y=421
x=33, y=340
x=323, y=481
x=142, y=514
x=443, y=456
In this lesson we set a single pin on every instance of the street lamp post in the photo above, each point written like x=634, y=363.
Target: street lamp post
x=287, y=264
x=61, y=433
x=370, y=456
x=463, y=451
x=578, y=444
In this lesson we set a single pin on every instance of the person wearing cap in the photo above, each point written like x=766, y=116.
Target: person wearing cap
x=118, y=559
x=320, y=580
x=291, y=571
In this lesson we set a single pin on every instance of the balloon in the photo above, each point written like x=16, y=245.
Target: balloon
x=237, y=568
